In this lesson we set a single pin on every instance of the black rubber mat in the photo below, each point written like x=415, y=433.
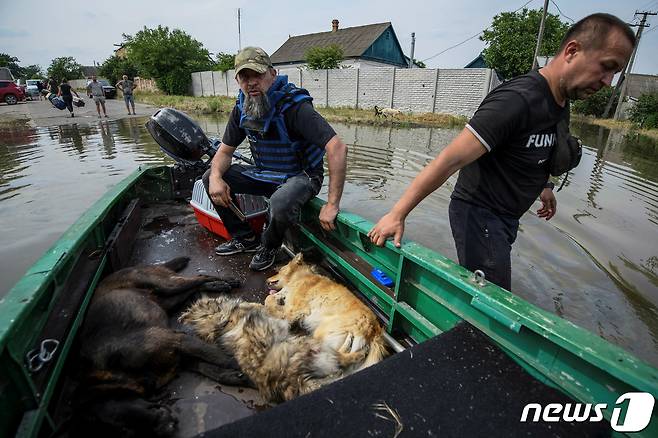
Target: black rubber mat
x=457, y=384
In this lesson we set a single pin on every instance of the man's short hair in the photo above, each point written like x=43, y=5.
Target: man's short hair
x=592, y=31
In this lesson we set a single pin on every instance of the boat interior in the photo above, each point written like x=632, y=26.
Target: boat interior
x=456, y=384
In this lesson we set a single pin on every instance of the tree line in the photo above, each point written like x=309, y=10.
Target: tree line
x=170, y=56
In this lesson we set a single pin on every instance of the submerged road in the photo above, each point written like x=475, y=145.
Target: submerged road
x=42, y=113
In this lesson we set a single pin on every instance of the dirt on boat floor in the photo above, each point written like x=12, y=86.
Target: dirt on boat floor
x=42, y=113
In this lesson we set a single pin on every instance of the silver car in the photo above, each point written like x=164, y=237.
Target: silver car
x=32, y=90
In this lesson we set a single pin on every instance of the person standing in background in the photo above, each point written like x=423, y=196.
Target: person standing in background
x=95, y=91
x=127, y=87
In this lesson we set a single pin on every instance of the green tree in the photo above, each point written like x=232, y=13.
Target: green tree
x=595, y=104
x=645, y=111
x=225, y=61
x=512, y=37
x=65, y=67
x=328, y=57
x=419, y=63
x=32, y=72
x=11, y=62
x=114, y=67
x=170, y=57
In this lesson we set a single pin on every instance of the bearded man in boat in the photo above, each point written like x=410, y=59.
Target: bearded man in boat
x=288, y=141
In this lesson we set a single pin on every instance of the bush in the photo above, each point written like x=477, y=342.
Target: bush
x=114, y=68
x=65, y=67
x=168, y=56
x=319, y=58
x=595, y=104
x=225, y=62
x=645, y=111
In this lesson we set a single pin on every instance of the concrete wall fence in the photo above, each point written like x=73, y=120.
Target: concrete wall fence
x=417, y=90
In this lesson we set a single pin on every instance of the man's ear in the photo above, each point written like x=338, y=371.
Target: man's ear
x=571, y=50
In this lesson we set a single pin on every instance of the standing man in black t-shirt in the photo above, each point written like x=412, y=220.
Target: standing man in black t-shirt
x=504, y=151
x=288, y=140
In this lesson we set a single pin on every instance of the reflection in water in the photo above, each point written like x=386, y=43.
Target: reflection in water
x=595, y=263
x=49, y=176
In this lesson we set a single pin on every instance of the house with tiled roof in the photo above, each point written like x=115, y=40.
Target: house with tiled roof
x=371, y=45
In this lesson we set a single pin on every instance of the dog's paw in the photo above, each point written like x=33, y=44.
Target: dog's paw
x=219, y=286
x=233, y=282
x=236, y=378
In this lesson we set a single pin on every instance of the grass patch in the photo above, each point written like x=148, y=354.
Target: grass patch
x=223, y=104
x=403, y=120
x=204, y=105
x=615, y=124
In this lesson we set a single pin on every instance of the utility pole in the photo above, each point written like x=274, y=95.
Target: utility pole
x=239, y=35
x=629, y=67
x=541, y=35
x=413, y=44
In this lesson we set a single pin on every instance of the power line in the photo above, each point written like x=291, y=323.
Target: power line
x=560, y=11
x=651, y=30
x=629, y=66
x=470, y=38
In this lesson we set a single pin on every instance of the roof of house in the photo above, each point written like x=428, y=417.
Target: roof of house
x=478, y=62
x=353, y=40
x=89, y=70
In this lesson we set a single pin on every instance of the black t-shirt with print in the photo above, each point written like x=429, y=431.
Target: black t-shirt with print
x=516, y=122
x=302, y=122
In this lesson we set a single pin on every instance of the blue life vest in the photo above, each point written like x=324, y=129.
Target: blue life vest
x=277, y=157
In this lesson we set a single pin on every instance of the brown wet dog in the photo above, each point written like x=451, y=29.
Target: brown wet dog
x=129, y=351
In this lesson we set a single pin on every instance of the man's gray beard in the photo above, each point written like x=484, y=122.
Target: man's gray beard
x=256, y=107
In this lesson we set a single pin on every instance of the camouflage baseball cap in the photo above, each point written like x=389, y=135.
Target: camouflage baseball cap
x=253, y=58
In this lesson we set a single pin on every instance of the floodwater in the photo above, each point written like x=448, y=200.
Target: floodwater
x=595, y=263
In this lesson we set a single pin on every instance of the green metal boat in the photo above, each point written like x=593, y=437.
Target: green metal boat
x=468, y=358
x=146, y=218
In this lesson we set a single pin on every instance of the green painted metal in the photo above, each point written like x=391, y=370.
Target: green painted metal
x=432, y=294
x=26, y=307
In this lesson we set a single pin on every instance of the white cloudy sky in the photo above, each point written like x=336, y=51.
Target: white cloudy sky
x=36, y=31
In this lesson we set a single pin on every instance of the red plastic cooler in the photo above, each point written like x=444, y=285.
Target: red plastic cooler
x=253, y=207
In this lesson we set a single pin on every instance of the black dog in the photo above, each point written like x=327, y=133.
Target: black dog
x=128, y=351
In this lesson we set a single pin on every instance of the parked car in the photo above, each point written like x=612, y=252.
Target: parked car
x=10, y=92
x=108, y=89
x=32, y=90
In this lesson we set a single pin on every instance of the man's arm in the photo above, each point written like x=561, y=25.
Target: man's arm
x=337, y=161
x=464, y=149
x=219, y=191
x=119, y=85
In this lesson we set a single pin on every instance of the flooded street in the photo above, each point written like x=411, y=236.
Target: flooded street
x=595, y=263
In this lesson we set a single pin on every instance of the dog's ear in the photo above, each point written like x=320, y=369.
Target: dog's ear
x=298, y=259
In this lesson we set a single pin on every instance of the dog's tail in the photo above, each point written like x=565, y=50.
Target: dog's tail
x=177, y=264
x=376, y=352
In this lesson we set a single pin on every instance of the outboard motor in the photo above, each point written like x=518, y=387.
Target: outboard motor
x=182, y=138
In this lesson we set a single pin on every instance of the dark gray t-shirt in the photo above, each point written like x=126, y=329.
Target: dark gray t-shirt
x=516, y=122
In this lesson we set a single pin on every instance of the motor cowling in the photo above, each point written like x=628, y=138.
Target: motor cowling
x=180, y=137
